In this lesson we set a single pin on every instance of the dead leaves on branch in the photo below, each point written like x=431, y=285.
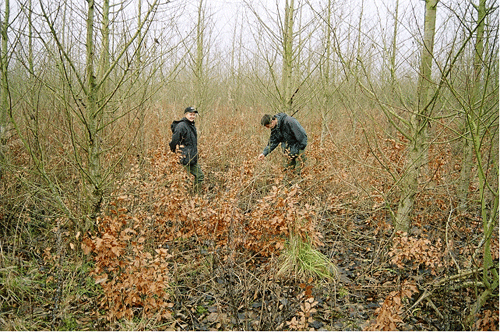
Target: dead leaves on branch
x=133, y=279
x=411, y=252
x=153, y=207
x=153, y=211
x=389, y=314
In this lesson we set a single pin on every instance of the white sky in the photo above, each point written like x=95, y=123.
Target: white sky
x=228, y=14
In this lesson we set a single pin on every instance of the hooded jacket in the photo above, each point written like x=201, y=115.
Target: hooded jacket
x=289, y=133
x=184, y=134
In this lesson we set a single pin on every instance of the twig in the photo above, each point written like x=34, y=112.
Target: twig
x=379, y=250
x=420, y=299
x=455, y=277
x=58, y=293
x=446, y=235
x=264, y=290
x=429, y=288
x=435, y=308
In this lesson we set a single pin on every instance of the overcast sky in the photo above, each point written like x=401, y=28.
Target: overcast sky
x=227, y=15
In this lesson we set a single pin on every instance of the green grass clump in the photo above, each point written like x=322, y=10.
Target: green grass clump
x=301, y=261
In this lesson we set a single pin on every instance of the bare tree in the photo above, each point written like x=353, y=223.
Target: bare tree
x=326, y=69
x=479, y=104
x=89, y=94
x=198, y=48
x=201, y=55
x=419, y=121
x=468, y=148
x=413, y=117
x=284, y=55
x=328, y=76
x=394, y=45
x=4, y=99
x=288, y=57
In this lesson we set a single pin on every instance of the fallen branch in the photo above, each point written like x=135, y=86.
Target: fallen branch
x=432, y=286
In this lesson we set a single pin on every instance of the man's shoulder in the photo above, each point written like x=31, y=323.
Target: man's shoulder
x=281, y=116
x=289, y=120
x=179, y=123
x=176, y=125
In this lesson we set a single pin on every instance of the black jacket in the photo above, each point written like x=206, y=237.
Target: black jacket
x=184, y=134
x=289, y=133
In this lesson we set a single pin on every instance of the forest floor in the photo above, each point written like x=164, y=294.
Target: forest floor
x=165, y=259
x=224, y=289
x=246, y=295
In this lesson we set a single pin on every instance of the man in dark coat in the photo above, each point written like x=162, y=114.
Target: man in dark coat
x=185, y=139
x=292, y=136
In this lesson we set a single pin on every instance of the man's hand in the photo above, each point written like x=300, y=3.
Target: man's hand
x=261, y=156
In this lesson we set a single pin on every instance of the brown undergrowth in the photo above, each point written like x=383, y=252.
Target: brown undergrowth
x=162, y=257
x=154, y=207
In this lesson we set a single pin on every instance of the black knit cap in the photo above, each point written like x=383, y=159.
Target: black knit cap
x=190, y=109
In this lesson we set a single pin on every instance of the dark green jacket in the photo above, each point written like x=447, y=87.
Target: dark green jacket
x=184, y=133
x=289, y=133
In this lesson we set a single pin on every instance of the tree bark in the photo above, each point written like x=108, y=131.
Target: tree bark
x=418, y=148
x=327, y=72
x=394, y=48
x=92, y=115
x=468, y=148
x=287, y=77
x=199, y=65
x=5, y=104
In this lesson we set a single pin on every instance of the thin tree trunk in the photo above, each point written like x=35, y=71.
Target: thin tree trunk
x=286, y=79
x=5, y=104
x=418, y=149
x=468, y=148
x=327, y=73
x=140, y=63
x=4, y=65
x=92, y=114
x=358, y=49
x=394, y=48
x=200, y=56
x=488, y=185
x=31, y=65
x=105, y=52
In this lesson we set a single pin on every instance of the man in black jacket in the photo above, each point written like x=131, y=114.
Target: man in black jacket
x=185, y=138
x=292, y=136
